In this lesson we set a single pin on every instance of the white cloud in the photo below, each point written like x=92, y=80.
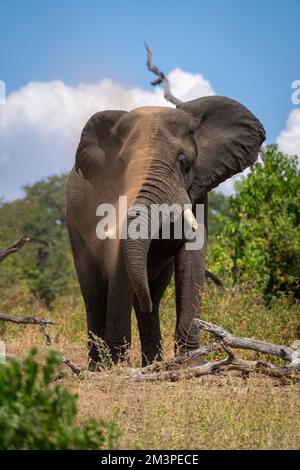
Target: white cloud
x=289, y=138
x=40, y=124
x=188, y=86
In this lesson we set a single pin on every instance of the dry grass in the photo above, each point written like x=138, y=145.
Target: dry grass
x=216, y=412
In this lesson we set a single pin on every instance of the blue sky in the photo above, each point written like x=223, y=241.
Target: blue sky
x=247, y=50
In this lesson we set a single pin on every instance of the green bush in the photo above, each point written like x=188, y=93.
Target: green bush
x=45, y=266
x=259, y=245
x=35, y=414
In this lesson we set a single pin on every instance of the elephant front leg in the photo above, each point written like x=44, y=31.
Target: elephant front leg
x=118, y=316
x=189, y=282
x=148, y=323
x=150, y=336
x=94, y=292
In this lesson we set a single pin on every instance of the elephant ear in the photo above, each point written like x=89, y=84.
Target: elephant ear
x=95, y=143
x=228, y=139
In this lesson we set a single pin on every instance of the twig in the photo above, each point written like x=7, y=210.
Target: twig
x=46, y=333
x=74, y=368
x=16, y=246
x=162, y=79
x=214, y=278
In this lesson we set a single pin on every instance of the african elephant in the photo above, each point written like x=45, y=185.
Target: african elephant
x=152, y=155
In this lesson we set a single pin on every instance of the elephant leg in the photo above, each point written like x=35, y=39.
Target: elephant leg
x=189, y=282
x=118, y=320
x=148, y=323
x=94, y=292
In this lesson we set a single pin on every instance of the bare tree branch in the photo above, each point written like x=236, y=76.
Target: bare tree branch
x=231, y=362
x=26, y=320
x=42, y=322
x=174, y=375
x=214, y=278
x=74, y=368
x=179, y=367
x=181, y=360
x=46, y=334
x=162, y=79
x=266, y=368
x=16, y=246
x=284, y=352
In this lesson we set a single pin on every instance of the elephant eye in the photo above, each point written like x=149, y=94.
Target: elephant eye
x=185, y=163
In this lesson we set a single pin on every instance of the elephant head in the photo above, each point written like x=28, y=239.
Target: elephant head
x=168, y=155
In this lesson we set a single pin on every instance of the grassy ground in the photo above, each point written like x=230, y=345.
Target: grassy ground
x=230, y=411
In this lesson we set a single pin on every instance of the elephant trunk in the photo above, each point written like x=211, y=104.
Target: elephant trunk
x=135, y=251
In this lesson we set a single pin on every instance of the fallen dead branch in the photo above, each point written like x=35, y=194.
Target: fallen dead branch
x=178, y=367
x=74, y=368
x=182, y=360
x=26, y=320
x=284, y=352
x=42, y=322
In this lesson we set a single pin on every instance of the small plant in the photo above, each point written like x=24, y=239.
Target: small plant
x=105, y=360
x=34, y=414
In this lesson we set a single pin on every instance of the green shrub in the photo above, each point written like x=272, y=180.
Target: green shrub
x=259, y=245
x=45, y=266
x=35, y=414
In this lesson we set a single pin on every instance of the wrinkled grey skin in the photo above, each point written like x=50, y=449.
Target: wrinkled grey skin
x=153, y=155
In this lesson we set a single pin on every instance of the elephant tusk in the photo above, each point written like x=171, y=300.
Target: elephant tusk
x=190, y=219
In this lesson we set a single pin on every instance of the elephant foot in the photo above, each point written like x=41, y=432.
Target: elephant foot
x=99, y=360
x=105, y=355
x=150, y=357
x=119, y=354
x=184, y=346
